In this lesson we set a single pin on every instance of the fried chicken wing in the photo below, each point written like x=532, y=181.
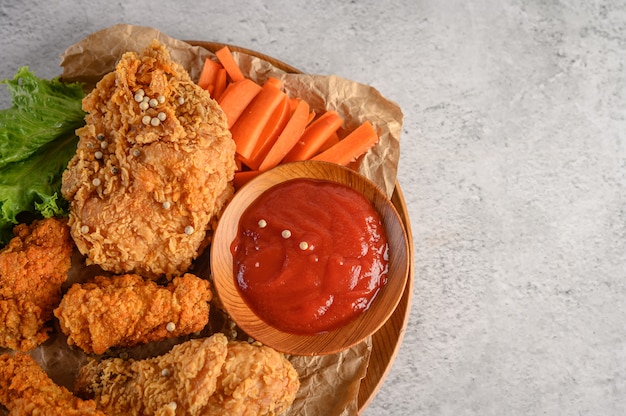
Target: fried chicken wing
x=199, y=377
x=25, y=389
x=33, y=266
x=153, y=168
x=179, y=382
x=128, y=310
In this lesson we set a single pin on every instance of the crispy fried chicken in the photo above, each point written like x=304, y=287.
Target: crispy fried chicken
x=153, y=168
x=33, y=266
x=128, y=310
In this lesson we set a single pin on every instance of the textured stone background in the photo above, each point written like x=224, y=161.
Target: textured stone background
x=513, y=166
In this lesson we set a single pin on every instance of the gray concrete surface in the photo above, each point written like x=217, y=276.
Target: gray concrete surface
x=513, y=166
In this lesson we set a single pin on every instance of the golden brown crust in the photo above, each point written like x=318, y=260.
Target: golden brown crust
x=127, y=310
x=25, y=389
x=33, y=266
x=143, y=196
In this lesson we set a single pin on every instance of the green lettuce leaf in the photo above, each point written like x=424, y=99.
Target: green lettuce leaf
x=37, y=140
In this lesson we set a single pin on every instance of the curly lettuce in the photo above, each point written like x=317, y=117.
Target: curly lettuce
x=37, y=140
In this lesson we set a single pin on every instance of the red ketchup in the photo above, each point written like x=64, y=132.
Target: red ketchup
x=310, y=256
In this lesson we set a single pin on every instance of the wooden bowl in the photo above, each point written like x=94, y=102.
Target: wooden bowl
x=335, y=340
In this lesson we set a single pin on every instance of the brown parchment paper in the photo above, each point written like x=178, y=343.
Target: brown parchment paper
x=330, y=383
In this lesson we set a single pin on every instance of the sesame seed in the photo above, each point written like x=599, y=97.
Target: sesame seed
x=161, y=116
x=181, y=100
x=161, y=99
x=262, y=223
x=146, y=120
x=286, y=233
x=146, y=99
x=84, y=229
x=171, y=326
x=96, y=182
x=153, y=103
x=141, y=91
x=304, y=245
x=90, y=145
x=189, y=230
x=98, y=155
x=138, y=97
x=144, y=106
x=136, y=152
x=166, y=205
x=155, y=121
x=165, y=372
x=100, y=136
x=172, y=405
x=103, y=145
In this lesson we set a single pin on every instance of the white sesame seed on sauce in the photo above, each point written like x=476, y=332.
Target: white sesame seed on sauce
x=84, y=229
x=161, y=116
x=100, y=137
x=98, y=155
x=96, y=182
x=286, y=234
x=146, y=120
x=136, y=152
x=262, y=223
x=141, y=91
x=181, y=100
x=161, y=99
x=189, y=230
x=171, y=326
x=166, y=205
x=155, y=122
x=144, y=106
x=153, y=102
x=172, y=405
x=138, y=97
x=165, y=372
x=104, y=145
x=146, y=99
x=304, y=245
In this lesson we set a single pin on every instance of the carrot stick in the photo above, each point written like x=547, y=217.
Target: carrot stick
x=209, y=71
x=236, y=97
x=332, y=140
x=243, y=177
x=247, y=130
x=227, y=60
x=288, y=137
x=275, y=82
x=219, y=84
x=355, y=144
x=270, y=134
x=314, y=136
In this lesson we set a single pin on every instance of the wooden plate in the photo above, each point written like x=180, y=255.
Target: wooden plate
x=386, y=341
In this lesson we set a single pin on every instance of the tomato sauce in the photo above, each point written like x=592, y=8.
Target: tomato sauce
x=310, y=255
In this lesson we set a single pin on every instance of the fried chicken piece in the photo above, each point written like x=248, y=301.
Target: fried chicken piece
x=179, y=382
x=198, y=377
x=127, y=310
x=33, y=266
x=255, y=380
x=153, y=168
x=26, y=389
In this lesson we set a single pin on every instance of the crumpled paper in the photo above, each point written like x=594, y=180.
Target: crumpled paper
x=330, y=383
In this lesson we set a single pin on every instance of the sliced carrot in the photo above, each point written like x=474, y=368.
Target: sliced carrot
x=219, y=85
x=288, y=137
x=236, y=98
x=249, y=127
x=314, y=136
x=225, y=56
x=355, y=144
x=243, y=177
x=270, y=134
x=310, y=118
x=209, y=71
x=332, y=140
x=275, y=82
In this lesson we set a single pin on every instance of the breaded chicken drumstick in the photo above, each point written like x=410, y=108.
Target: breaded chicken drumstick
x=25, y=389
x=33, y=266
x=199, y=377
x=127, y=310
